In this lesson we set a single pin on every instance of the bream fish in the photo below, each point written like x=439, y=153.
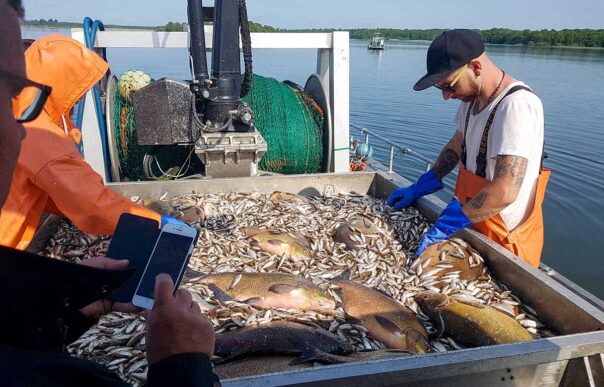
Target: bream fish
x=356, y=232
x=294, y=246
x=385, y=319
x=469, y=323
x=280, y=337
x=270, y=290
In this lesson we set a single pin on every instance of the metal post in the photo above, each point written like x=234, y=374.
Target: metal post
x=366, y=138
x=391, y=160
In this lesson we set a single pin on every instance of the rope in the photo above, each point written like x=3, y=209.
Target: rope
x=90, y=30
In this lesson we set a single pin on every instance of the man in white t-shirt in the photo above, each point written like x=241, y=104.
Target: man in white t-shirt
x=498, y=145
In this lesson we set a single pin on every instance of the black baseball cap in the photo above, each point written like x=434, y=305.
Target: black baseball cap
x=449, y=51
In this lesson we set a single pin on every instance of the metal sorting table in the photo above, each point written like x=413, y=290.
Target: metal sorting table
x=576, y=357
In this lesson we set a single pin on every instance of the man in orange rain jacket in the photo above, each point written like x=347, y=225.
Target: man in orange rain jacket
x=50, y=175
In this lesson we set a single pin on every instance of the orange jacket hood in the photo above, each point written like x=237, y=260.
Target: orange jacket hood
x=67, y=66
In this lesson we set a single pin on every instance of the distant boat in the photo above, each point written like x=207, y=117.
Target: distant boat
x=376, y=43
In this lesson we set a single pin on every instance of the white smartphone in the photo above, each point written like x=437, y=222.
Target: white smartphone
x=170, y=255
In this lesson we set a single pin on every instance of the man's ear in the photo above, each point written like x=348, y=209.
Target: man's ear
x=475, y=66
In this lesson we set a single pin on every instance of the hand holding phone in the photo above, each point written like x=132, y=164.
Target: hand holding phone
x=170, y=255
x=104, y=306
x=176, y=325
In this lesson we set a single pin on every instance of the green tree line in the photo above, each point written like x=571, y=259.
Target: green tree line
x=172, y=27
x=566, y=37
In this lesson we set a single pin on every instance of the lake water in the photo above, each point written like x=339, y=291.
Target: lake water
x=570, y=83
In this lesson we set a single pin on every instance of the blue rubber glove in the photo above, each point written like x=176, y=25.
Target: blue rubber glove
x=169, y=219
x=425, y=185
x=451, y=220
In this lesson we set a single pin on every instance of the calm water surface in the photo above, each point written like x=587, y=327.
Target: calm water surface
x=570, y=83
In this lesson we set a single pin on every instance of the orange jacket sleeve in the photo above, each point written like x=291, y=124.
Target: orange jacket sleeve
x=78, y=192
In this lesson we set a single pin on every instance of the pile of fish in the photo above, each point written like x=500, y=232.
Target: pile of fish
x=305, y=281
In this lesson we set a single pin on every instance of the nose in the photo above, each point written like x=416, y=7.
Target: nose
x=446, y=94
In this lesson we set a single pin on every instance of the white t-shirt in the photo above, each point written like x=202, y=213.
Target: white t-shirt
x=517, y=130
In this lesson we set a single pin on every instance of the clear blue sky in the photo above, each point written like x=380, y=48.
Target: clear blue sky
x=515, y=14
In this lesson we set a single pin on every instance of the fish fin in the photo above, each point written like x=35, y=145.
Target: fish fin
x=317, y=356
x=468, y=302
x=282, y=288
x=219, y=294
x=192, y=275
x=256, y=302
x=276, y=242
x=387, y=324
x=416, y=342
x=510, y=310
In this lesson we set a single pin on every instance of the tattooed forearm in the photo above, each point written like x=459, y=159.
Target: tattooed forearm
x=477, y=211
x=503, y=190
x=512, y=168
x=478, y=201
x=447, y=161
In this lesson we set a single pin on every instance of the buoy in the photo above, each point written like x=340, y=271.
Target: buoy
x=131, y=81
x=364, y=150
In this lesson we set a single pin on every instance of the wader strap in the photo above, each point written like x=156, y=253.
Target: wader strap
x=463, y=144
x=481, y=159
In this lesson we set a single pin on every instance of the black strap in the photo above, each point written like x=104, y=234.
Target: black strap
x=481, y=159
x=463, y=144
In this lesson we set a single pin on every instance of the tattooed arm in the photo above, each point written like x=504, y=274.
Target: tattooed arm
x=501, y=192
x=449, y=157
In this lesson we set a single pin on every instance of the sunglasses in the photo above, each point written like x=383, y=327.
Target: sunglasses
x=19, y=85
x=449, y=88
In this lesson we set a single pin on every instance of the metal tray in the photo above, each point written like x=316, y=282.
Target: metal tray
x=573, y=357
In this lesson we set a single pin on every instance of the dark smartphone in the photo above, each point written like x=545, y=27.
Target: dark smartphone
x=134, y=239
x=170, y=255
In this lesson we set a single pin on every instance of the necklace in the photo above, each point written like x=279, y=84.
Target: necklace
x=491, y=98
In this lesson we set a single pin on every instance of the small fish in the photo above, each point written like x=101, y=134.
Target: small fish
x=469, y=323
x=162, y=207
x=356, y=232
x=294, y=246
x=270, y=290
x=192, y=215
x=280, y=337
x=386, y=320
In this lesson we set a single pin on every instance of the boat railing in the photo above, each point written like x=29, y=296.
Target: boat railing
x=405, y=150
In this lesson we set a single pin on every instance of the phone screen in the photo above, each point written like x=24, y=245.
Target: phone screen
x=168, y=257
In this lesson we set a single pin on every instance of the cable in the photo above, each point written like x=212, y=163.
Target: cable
x=150, y=158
